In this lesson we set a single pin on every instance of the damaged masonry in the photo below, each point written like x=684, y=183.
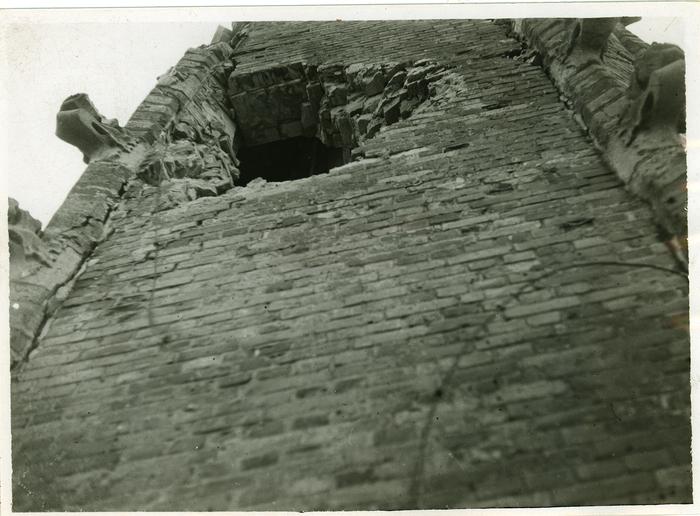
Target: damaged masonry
x=365, y=266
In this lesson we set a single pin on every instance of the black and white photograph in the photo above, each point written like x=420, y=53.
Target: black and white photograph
x=311, y=259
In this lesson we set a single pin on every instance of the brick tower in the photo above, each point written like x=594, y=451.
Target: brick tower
x=365, y=265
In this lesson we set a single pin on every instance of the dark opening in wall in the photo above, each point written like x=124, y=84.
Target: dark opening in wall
x=287, y=160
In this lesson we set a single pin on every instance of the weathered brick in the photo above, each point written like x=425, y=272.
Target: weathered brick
x=417, y=328
x=310, y=421
x=534, y=308
x=260, y=461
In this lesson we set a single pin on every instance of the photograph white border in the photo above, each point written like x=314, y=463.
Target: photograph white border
x=17, y=11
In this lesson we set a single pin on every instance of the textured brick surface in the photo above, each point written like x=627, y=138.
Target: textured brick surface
x=475, y=314
x=642, y=145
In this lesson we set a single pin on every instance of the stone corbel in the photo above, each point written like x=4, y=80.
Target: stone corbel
x=26, y=245
x=79, y=123
x=634, y=117
x=589, y=37
x=656, y=93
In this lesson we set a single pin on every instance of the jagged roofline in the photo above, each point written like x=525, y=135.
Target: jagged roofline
x=568, y=45
x=625, y=123
x=114, y=155
x=478, y=283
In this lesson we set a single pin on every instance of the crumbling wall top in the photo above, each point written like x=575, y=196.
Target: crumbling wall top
x=630, y=96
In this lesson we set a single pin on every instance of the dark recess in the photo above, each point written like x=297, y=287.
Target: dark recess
x=287, y=160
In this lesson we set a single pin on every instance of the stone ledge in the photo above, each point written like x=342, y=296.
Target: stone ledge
x=114, y=155
x=635, y=118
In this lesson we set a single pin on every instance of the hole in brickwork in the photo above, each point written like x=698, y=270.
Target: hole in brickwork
x=287, y=160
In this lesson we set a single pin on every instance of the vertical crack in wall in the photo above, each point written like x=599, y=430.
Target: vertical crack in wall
x=428, y=429
x=58, y=293
x=156, y=246
x=73, y=232
x=415, y=489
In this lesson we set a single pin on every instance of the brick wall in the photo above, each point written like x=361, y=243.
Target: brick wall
x=476, y=313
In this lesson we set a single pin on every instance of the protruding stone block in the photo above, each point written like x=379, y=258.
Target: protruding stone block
x=657, y=92
x=79, y=123
x=222, y=34
x=590, y=36
x=26, y=245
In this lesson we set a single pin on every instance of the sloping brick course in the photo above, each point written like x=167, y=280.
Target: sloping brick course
x=474, y=314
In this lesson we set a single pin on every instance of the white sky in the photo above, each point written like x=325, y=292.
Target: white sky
x=116, y=64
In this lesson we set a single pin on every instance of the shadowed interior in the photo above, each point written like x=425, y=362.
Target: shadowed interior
x=287, y=160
